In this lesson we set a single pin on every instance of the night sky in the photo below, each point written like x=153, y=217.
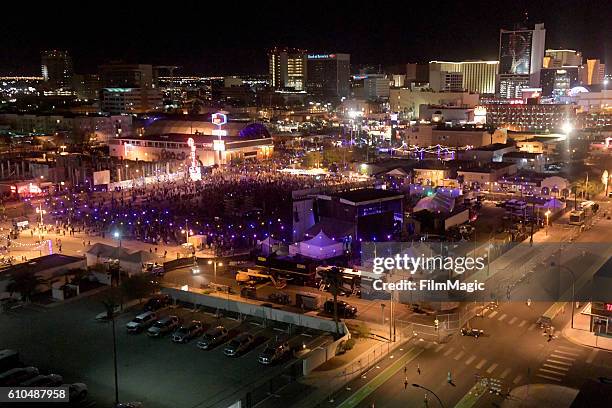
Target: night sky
x=232, y=37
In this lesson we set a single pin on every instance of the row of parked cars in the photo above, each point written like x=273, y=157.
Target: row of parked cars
x=148, y=321
x=13, y=373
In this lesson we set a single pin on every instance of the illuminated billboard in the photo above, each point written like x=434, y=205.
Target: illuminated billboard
x=515, y=52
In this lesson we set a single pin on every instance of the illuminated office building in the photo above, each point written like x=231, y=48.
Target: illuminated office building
x=521, y=55
x=477, y=76
x=287, y=69
x=562, y=58
x=328, y=75
x=56, y=69
x=593, y=72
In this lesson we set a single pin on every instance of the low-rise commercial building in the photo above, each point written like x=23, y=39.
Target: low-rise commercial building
x=407, y=102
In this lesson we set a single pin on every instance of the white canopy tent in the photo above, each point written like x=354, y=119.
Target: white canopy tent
x=319, y=247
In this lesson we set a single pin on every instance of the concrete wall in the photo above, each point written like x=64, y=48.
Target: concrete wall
x=254, y=308
x=320, y=355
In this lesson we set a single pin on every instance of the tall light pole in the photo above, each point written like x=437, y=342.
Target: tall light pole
x=186, y=232
x=110, y=313
x=215, y=264
x=117, y=236
x=547, y=214
x=573, y=288
x=429, y=391
x=41, y=223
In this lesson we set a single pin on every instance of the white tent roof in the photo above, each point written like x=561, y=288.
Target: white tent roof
x=320, y=240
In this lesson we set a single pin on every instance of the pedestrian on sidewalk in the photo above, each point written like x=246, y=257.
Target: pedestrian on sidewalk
x=419, y=369
x=406, y=383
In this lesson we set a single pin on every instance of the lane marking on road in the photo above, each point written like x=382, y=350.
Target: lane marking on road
x=450, y=350
x=533, y=326
x=545, y=370
x=362, y=393
x=554, y=367
x=569, y=349
x=502, y=317
x=549, y=378
x=563, y=357
x=469, y=360
x=524, y=322
x=481, y=364
x=492, y=315
x=565, y=363
x=458, y=356
x=505, y=373
x=514, y=319
x=592, y=356
x=567, y=353
x=492, y=368
x=440, y=347
x=517, y=379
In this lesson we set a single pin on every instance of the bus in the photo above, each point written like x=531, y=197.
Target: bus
x=576, y=217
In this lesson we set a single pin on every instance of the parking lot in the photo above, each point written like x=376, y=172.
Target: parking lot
x=156, y=371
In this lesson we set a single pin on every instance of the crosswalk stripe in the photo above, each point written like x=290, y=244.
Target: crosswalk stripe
x=552, y=372
x=492, y=315
x=492, y=368
x=481, y=364
x=505, y=373
x=549, y=378
x=458, y=356
x=514, y=319
x=569, y=349
x=517, y=379
x=502, y=317
x=533, y=326
x=469, y=360
x=562, y=357
x=440, y=347
x=565, y=363
x=592, y=356
x=569, y=353
x=556, y=367
x=524, y=322
x=450, y=350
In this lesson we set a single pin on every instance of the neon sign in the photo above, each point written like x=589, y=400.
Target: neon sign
x=194, y=169
x=219, y=119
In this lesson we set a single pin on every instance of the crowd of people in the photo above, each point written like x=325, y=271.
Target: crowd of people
x=233, y=208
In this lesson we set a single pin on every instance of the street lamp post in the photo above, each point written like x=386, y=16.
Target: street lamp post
x=215, y=264
x=41, y=223
x=429, y=391
x=573, y=288
x=547, y=214
x=117, y=236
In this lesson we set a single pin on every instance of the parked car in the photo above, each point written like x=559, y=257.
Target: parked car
x=17, y=375
x=141, y=322
x=157, y=302
x=104, y=315
x=51, y=380
x=240, y=344
x=274, y=352
x=187, y=332
x=344, y=309
x=9, y=359
x=77, y=392
x=163, y=326
x=213, y=337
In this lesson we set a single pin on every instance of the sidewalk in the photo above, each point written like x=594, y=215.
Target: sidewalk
x=581, y=335
x=540, y=395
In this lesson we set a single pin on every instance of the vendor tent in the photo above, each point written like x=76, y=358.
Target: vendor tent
x=318, y=247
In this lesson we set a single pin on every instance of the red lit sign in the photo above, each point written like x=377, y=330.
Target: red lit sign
x=608, y=307
x=219, y=119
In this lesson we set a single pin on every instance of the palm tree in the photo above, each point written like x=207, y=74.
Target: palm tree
x=333, y=278
x=25, y=284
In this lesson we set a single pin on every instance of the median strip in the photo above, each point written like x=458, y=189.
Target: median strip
x=380, y=379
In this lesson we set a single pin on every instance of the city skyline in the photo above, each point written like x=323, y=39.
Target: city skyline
x=207, y=44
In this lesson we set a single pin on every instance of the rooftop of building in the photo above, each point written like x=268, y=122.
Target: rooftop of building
x=493, y=147
x=522, y=155
x=485, y=168
x=367, y=194
x=42, y=263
